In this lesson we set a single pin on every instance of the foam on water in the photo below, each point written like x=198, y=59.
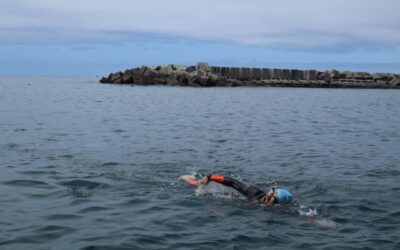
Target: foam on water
x=217, y=192
x=309, y=213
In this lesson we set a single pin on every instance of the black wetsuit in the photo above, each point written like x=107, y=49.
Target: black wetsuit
x=251, y=192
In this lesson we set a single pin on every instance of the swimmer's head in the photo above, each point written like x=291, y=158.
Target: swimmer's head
x=268, y=196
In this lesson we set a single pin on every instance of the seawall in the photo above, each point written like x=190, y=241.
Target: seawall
x=203, y=75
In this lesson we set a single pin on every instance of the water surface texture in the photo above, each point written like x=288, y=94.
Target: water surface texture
x=92, y=166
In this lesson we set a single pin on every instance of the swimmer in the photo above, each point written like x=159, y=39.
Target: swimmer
x=273, y=197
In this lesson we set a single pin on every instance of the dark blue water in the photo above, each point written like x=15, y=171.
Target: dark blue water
x=86, y=165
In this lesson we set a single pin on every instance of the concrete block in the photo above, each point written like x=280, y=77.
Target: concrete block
x=271, y=73
x=230, y=72
x=239, y=72
x=294, y=74
x=245, y=73
x=286, y=74
x=264, y=73
x=277, y=74
x=257, y=73
x=301, y=75
x=223, y=71
x=310, y=75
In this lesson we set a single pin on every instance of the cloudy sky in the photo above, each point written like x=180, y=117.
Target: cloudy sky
x=95, y=37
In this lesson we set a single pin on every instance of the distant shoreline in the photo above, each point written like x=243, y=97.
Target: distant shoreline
x=203, y=75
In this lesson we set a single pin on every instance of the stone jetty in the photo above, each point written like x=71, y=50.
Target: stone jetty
x=203, y=75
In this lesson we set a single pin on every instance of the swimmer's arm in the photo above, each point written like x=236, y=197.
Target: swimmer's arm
x=214, y=178
x=205, y=180
x=190, y=179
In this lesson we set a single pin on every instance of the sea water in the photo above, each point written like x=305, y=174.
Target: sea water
x=92, y=166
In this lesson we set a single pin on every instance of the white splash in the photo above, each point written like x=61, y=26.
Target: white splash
x=310, y=213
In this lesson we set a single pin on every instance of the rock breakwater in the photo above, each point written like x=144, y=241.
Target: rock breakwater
x=203, y=75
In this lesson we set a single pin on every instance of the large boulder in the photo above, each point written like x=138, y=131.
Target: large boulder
x=190, y=69
x=201, y=73
x=183, y=78
x=362, y=76
x=116, y=77
x=145, y=71
x=166, y=70
x=324, y=76
x=159, y=80
x=127, y=78
x=334, y=74
x=176, y=67
x=171, y=80
x=214, y=80
x=104, y=80
x=203, y=66
x=197, y=80
x=383, y=76
x=395, y=82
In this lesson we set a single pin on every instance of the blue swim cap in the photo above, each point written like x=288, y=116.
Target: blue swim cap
x=284, y=196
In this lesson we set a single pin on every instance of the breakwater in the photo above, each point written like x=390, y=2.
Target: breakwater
x=203, y=75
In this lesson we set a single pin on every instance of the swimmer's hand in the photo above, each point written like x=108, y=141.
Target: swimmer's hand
x=190, y=179
x=205, y=180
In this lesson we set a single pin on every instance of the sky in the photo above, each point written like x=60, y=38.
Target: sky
x=96, y=37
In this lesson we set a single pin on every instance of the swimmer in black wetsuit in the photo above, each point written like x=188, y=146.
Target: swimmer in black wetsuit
x=274, y=196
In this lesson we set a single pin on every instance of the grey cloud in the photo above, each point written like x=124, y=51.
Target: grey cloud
x=288, y=23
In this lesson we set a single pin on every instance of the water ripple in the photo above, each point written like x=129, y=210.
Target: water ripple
x=27, y=183
x=79, y=183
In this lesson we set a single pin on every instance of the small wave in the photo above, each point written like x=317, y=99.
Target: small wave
x=51, y=232
x=66, y=156
x=219, y=141
x=19, y=130
x=11, y=146
x=350, y=230
x=102, y=247
x=62, y=217
x=49, y=166
x=55, y=194
x=52, y=228
x=316, y=190
x=109, y=164
x=38, y=172
x=245, y=238
x=135, y=202
x=84, y=184
x=118, y=131
x=93, y=209
x=395, y=214
x=382, y=173
x=27, y=183
x=19, y=240
x=369, y=208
